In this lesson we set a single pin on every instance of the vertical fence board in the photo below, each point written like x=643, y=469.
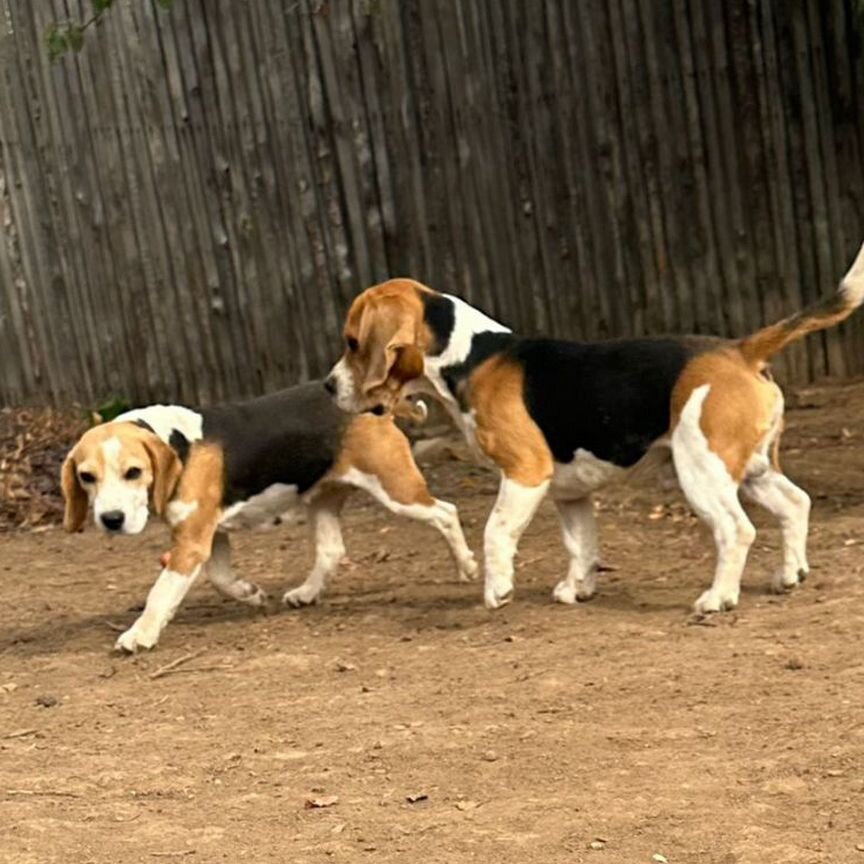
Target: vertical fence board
x=188, y=205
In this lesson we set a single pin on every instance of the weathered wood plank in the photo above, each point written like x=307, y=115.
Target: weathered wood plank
x=188, y=206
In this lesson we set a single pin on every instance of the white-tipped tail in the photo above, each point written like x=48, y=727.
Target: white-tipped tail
x=827, y=312
x=852, y=284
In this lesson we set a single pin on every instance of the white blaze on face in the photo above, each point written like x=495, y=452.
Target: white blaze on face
x=346, y=389
x=115, y=494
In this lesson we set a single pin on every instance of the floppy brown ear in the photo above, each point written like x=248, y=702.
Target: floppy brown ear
x=409, y=363
x=380, y=362
x=401, y=351
x=167, y=468
x=74, y=497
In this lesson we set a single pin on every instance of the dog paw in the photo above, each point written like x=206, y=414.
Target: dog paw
x=564, y=592
x=254, y=596
x=497, y=593
x=786, y=579
x=468, y=570
x=303, y=595
x=579, y=591
x=715, y=601
x=134, y=639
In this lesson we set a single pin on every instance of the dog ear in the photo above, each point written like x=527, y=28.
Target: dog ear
x=167, y=468
x=399, y=357
x=409, y=364
x=74, y=497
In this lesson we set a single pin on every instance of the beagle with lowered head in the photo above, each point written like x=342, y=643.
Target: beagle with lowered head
x=212, y=471
x=566, y=417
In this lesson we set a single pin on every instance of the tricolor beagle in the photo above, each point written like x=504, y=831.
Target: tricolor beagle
x=566, y=417
x=236, y=466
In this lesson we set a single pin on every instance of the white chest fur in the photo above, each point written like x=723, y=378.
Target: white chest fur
x=583, y=475
x=260, y=510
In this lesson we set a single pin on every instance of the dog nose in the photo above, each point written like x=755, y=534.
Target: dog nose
x=113, y=519
x=330, y=385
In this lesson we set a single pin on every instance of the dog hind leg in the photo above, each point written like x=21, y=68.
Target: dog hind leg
x=791, y=506
x=329, y=548
x=580, y=538
x=223, y=579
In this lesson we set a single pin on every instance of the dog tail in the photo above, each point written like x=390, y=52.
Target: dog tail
x=759, y=346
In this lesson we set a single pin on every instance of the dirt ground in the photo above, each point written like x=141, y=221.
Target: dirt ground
x=613, y=732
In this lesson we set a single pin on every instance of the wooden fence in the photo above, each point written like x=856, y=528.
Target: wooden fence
x=189, y=204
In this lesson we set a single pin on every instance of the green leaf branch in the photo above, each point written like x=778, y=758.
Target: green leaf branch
x=61, y=37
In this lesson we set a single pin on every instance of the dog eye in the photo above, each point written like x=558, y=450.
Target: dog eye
x=352, y=344
x=86, y=477
x=132, y=474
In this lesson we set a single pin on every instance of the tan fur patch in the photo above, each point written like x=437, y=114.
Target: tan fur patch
x=74, y=496
x=375, y=446
x=202, y=483
x=505, y=431
x=739, y=409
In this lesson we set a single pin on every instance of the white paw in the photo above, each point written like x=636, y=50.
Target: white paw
x=468, y=570
x=564, y=592
x=254, y=596
x=716, y=601
x=303, y=595
x=570, y=592
x=497, y=592
x=136, y=637
x=786, y=579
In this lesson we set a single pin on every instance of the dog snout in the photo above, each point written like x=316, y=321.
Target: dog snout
x=330, y=384
x=113, y=519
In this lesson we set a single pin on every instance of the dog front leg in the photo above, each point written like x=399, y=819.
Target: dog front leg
x=514, y=509
x=187, y=558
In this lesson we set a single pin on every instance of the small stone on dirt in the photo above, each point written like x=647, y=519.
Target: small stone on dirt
x=597, y=844
x=345, y=667
x=794, y=664
x=490, y=756
x=416, y=799
x=321, y=801
x=660, y=859
x=46, y=701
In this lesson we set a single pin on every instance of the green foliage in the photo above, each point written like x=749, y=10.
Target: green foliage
x=56, y=42
x=107, y=411
x=61, y=37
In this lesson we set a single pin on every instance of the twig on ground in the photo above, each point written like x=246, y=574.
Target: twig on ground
x=59, y=793
x=117, y=628
x=168, y=667
x=173, y=854
x=20, y=733
x=197, y=669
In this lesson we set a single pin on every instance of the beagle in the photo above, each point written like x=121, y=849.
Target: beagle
x=567, y=417
x=219, y=469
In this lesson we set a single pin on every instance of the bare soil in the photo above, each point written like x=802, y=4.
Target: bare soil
x=612, y=732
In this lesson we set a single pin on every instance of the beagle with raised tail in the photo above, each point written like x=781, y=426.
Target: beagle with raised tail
x=566, y=417
x=212, y=471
